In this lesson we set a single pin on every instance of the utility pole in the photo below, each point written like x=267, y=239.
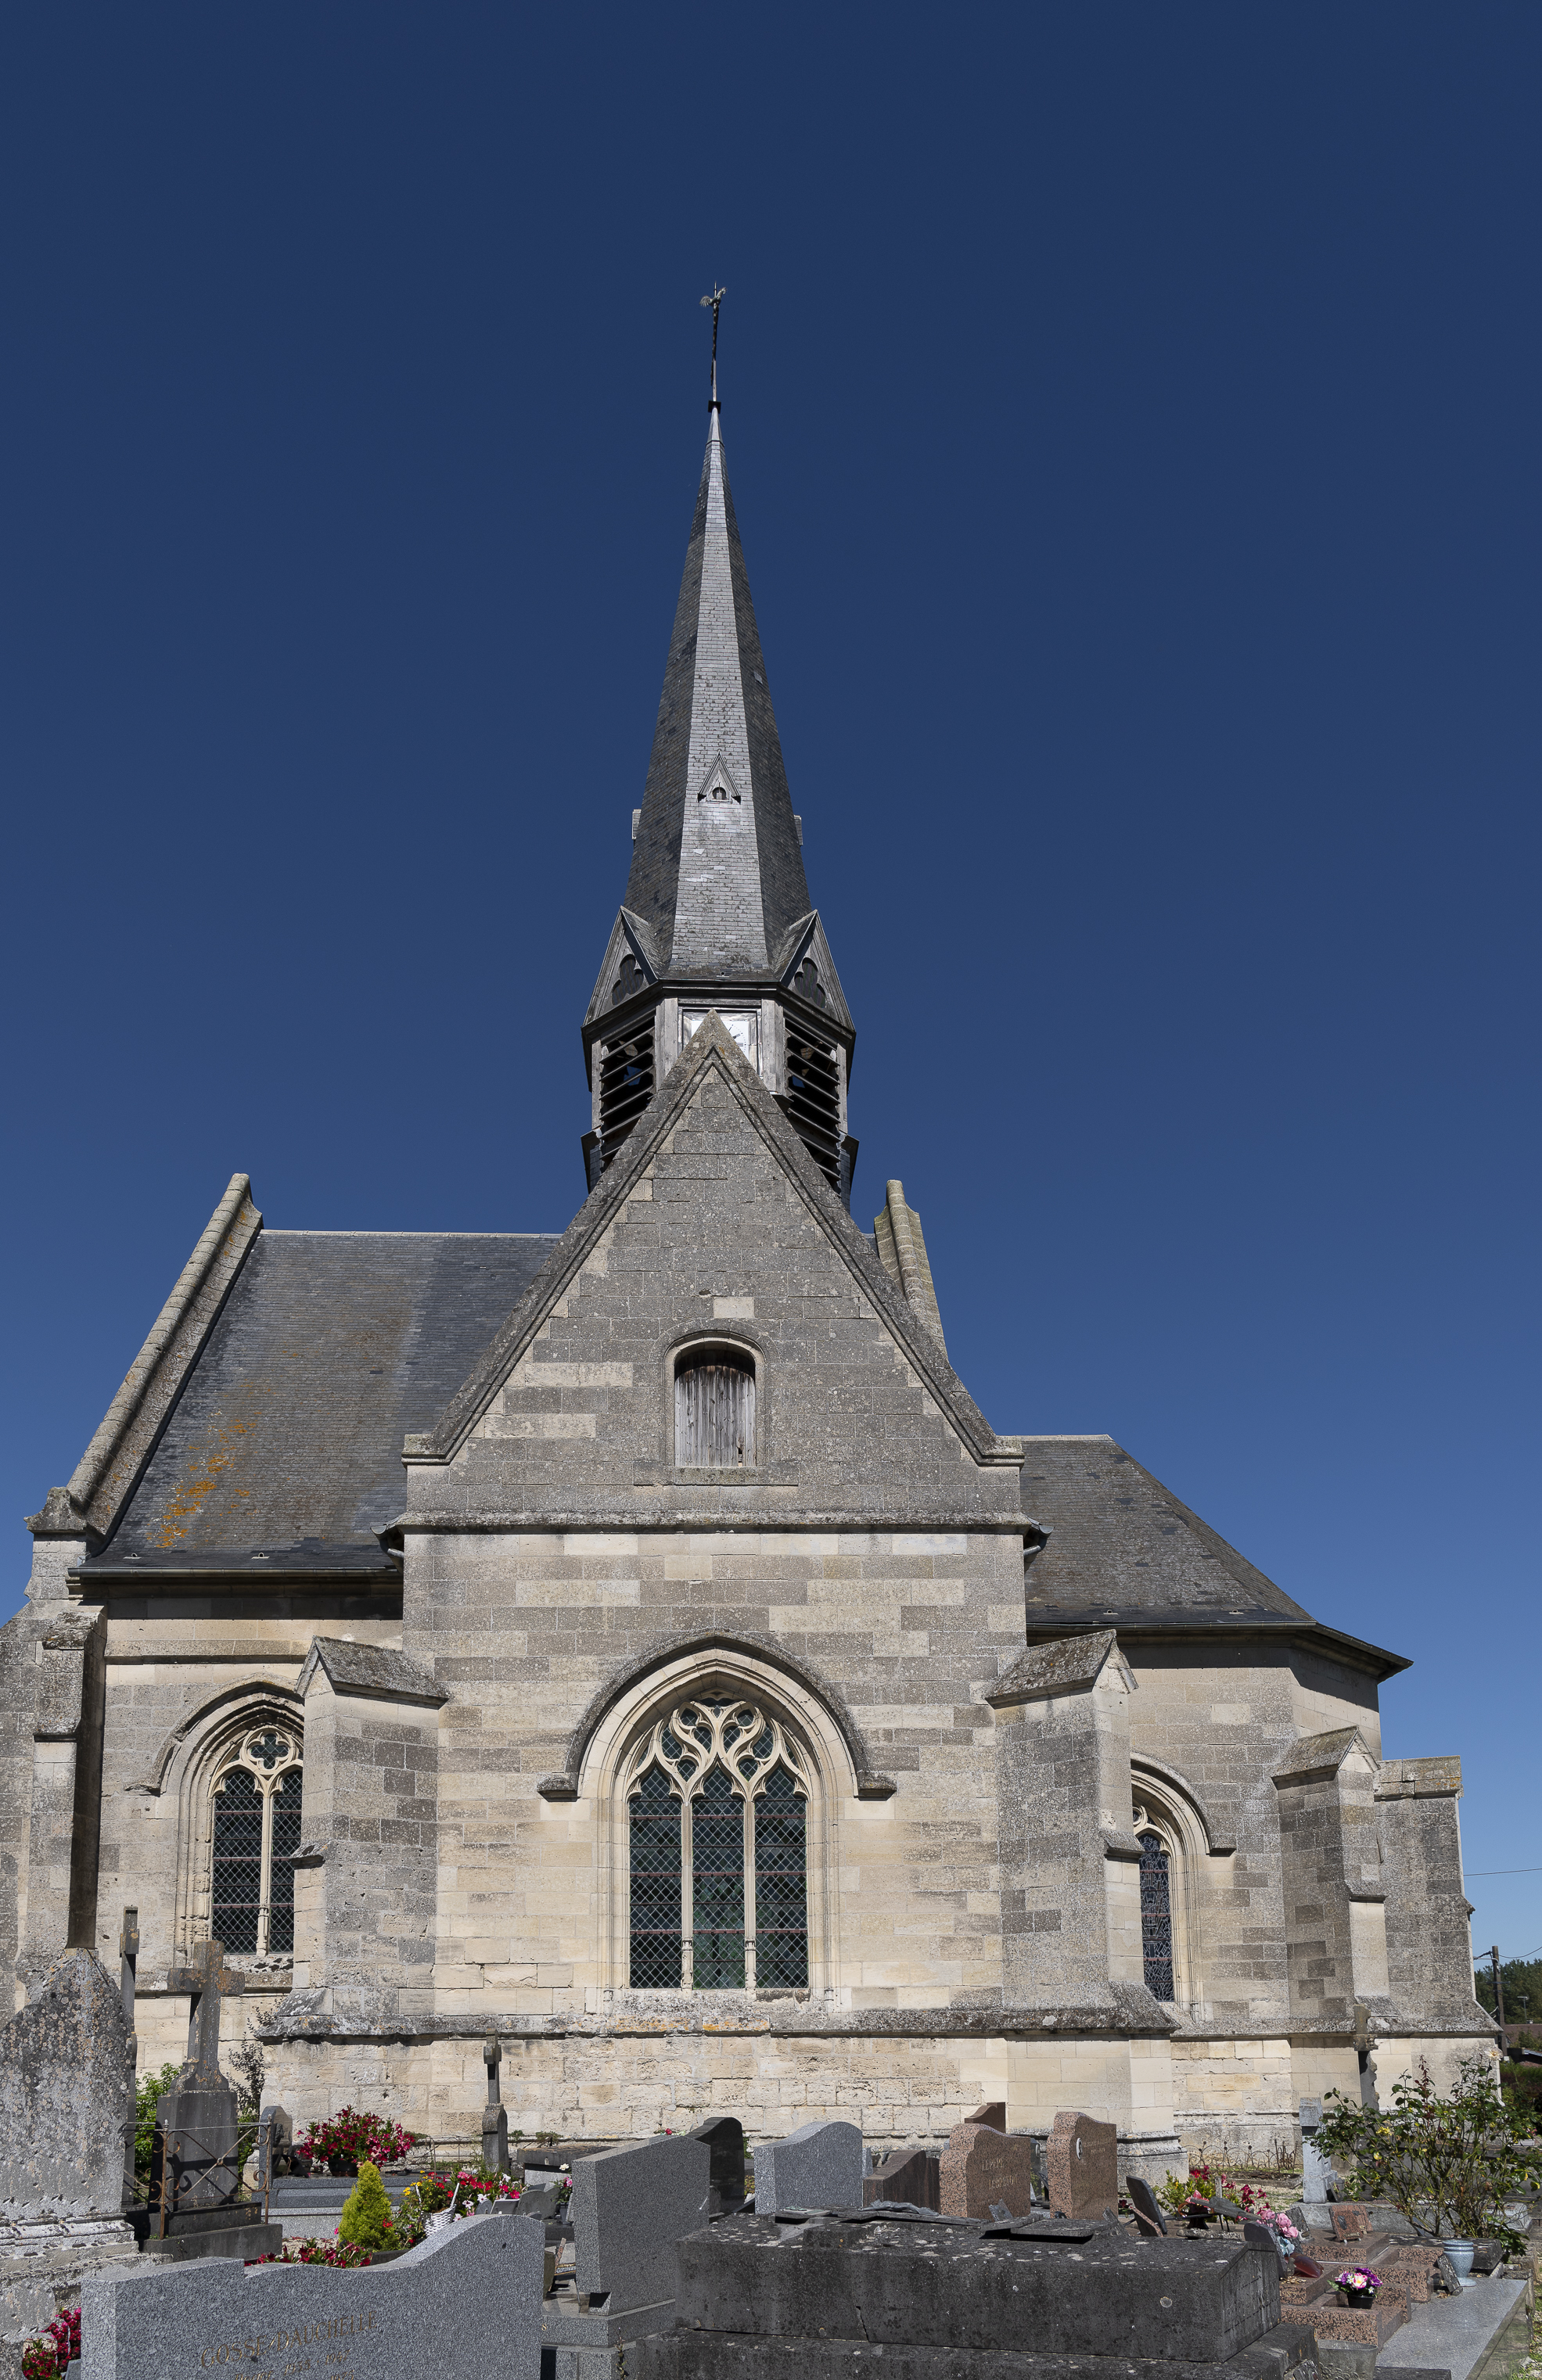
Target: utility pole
x=1498, y=1985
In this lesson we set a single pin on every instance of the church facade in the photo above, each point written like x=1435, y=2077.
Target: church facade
x=637, y=1644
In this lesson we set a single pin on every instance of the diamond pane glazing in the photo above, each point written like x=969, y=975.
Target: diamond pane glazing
x=1156, y=1917
x=781, y=1890
x=718, y=1886
x=656, y=1933
x=237, y=1897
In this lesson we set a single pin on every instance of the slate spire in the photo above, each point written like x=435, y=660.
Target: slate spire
x=717, y=870
x=717, y=914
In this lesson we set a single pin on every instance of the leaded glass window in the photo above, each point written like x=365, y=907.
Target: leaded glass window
x=1156, y=1916
x=257, y=1811
x=717, y=1794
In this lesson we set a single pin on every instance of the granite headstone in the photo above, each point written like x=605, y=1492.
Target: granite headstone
x=629, y=2208
x=479, y=2284
x=1150, y=2218
x=982, y=2168
x=993, y=2112
x=905, y=2178
x=819, y=2165
x=724, y=2139
x=1081, y=2165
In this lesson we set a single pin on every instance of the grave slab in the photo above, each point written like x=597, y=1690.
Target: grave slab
x=981, y=2168
x=1081, y=2158
x=819, y=2165
x=478, y=2285
x=1285, y=2354
x=946, y=2284
x=1470, y=2335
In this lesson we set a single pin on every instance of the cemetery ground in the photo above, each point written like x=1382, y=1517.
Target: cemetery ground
x=180, y=2227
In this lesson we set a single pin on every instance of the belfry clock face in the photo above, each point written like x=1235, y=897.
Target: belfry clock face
x=743, y=1023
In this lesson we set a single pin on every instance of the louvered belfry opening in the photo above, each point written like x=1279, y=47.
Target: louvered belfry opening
x=626, y=1085
x=812, y=1103
x=714, y=1411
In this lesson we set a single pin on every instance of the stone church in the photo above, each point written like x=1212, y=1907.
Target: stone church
x=637, y=1643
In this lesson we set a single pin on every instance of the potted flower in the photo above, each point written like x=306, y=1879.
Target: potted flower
x=1358, y=2286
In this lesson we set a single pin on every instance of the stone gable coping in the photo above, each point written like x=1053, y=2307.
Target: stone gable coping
x=710, y=1047
x=1419, y=1780
x=372, y=1670
x=1312, y=1758
x=107, y=1472
x=1065, y=1666
x=564, y=1786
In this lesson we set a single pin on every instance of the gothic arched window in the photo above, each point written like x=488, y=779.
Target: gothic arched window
x=1156, y=1916
x=257, y=1803
x=717, y=1800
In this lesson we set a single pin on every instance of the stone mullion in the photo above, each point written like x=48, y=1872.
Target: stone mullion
x=687, y=1896
x=265, y=1874
x=749, y=1891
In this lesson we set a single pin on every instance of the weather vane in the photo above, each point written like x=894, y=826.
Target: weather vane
x=714, y=301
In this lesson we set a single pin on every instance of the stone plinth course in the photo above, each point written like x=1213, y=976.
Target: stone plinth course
x=64, y=2103
x=472, y=2293
x=818, y=2166
x=899, y=2282
x=1081, y=2165
x=982, y=2168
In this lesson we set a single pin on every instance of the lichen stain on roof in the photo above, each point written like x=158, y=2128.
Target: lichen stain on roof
x=330, y=1348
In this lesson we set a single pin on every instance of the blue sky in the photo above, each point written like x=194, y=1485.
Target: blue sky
x=1131, y=415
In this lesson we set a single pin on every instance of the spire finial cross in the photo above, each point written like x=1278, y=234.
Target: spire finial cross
x=715, y=301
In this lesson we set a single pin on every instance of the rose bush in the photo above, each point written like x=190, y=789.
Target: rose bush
x=47, y=2358
x=1446, y=2163
x=352, y=2135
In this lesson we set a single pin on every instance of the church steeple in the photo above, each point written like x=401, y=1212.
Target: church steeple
x=717, y=913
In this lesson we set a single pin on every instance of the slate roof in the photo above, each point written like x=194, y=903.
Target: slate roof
x=716, y=707
x=286, y=1439
x=1123, y=1552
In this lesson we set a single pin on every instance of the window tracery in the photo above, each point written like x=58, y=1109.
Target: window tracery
x=257, y=1797
x=717, y=1795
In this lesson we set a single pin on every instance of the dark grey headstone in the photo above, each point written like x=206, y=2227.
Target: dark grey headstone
x=819, y=2165
x=910, y=2176
x=629, y=2208
x=63, y=2067
x=276, y=2142
x=724, y=2139
x=479, y=2283
x=1148, y=2215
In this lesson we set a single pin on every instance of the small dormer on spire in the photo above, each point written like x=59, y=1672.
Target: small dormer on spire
x=716, y=913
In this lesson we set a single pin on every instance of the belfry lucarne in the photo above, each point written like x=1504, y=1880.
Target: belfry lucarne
x=636, y=1643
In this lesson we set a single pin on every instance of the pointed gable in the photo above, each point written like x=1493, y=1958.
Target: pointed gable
x=713, y=1225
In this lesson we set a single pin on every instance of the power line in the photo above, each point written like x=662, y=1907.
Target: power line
x=1504, y=1871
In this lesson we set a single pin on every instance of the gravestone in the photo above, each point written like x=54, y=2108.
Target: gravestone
x=1081, y=2159
x=63, y=2063
x=475, y=2286
x=905, y=2178
x=495, y=2120
x=724, y=2139
x=629, y=2208
x=192, y=2166
x=993, y=2113
x=1317, y=2174
x=1150, y=2218
x=819, y=2165
x=982, y=2168
x=816, y=2296
x=275, y=2145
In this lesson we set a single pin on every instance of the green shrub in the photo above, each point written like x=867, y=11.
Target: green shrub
x=1441, y=2161
x=366, y=2218
x=146, y=2092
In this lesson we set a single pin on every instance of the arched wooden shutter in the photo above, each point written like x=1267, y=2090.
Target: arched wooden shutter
x=715, y=1412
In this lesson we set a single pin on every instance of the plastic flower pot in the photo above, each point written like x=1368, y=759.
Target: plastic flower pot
x=1358, y=2297
x=343, y=2167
